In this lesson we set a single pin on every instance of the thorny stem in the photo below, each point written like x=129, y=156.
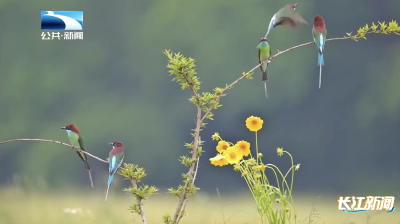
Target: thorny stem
x=139, y=202
x=183, y=198
x=185, y=203
x=56, y=142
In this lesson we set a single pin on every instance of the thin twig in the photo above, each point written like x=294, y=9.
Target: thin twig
x=305, y=44
x=139, y=202
x=53, y=141
x=253, y=69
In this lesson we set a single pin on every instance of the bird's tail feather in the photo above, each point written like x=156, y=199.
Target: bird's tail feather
x=320, y=75
x=91, y=180
x=265, y=89
x=110, y=181
x=320, y=58
x=264, y=76
x=108, y=187
x=264, y=79
x=86, y=164
x=320, y=63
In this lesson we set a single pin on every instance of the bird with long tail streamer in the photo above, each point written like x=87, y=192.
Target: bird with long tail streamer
x=319, y=33
x=115, y=159
x=77, y=142
x=264, y=52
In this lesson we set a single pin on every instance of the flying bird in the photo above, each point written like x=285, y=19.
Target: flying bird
x=115, y=159
x=76, y=140
x=264, y=52
x=286, y=16
x=319, y=35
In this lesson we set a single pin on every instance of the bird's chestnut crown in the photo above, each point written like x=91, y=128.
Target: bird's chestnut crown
x=319, y=21
x=72, y=127
x=116, y=144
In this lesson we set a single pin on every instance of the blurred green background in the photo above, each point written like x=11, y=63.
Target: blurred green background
x=114, y=86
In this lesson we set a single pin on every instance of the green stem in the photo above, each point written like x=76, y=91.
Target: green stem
x=257, y=148
x=291, y=185
x=247, y=181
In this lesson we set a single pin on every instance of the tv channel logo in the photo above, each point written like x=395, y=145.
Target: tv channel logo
x=370, y=203
x=62, y=20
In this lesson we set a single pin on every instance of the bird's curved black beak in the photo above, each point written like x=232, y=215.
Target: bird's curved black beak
x=63, y=127
x=110, y=143
x=295, y=5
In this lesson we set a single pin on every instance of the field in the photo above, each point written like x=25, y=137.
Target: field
x=20, y=207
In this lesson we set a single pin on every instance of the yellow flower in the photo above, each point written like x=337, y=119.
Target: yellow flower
x=219, y=160
x=243, y=147
x=254, y=124
x=279, y=151
x=215, y=136
x=297, y=167
x=232, y=155
x=222, y=146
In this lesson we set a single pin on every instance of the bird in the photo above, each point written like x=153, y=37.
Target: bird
x=319, y=35
x=286, y=16
x=77, y=142
x=264, y=52
x=115, y=159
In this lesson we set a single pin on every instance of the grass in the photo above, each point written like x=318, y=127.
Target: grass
x=20, y=207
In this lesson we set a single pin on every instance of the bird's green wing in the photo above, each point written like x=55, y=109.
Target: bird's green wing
x=82, y=144
x=269, y=51
x=314, y=33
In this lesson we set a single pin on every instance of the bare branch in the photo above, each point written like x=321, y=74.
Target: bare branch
x=53, y=141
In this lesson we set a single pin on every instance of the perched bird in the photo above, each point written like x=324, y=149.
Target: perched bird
x=76, y=140
x=319, y=34
x=114, y=161
x=264, y=52
x=286, y=16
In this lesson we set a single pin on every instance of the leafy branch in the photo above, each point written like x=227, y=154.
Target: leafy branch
x=183, y=71
x=135, y=174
